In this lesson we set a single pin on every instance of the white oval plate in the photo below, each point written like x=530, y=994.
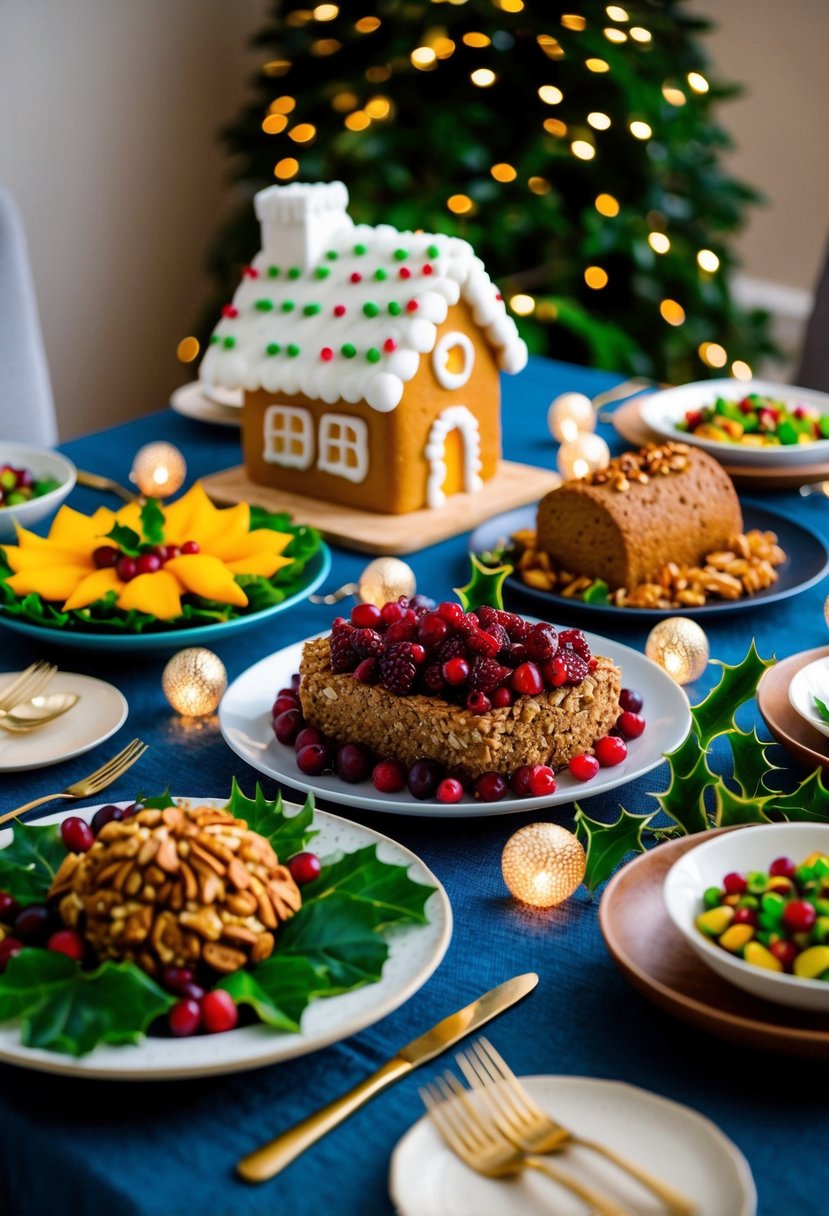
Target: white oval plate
x=245, y=719
x=217, y=405
x=663, y=410
x=414, y=953
x=102, y=709
x=675, y=1143
x=811, y=681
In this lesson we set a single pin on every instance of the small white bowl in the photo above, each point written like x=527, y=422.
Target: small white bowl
x=750, y=848
x=811, y=681
x=43, y=462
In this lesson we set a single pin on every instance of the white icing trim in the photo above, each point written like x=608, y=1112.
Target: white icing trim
x=456, y=416
x=444, y=377
x=277, y=425
x=353, y=437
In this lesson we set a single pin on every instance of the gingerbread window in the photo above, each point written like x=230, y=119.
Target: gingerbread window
x=343, y=444
x=289, y=437
x=453, y=359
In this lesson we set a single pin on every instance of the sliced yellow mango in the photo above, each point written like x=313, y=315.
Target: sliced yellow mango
x=52, y=582
x=26, y=558
x=261, y=540
x=94, y=587
x=221, y=534
x=80, y=533
x=207, y=576
x=129, y=516
x=159, y=594
x=265, y=564
x=188, y=516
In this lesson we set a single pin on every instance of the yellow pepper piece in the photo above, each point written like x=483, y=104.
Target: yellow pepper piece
x=207, y=576
x=812, y=962
x=158, y=594
x=735, y=937
x=265, y=564
x=52, y=582
x=93, y=587
x=715, y=921
x=759, y=956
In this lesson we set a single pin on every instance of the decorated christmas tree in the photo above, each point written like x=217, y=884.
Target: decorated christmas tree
x=576, y=149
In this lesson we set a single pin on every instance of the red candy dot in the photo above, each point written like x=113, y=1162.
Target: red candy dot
x=230, y=311
x=326, y=354
x=389, y=345
x=427, y=269
x=251, y=272
x=339, y=310
x=356, y=277
x=412, y=306
x=404, y=272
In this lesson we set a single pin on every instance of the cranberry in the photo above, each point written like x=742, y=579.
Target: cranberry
x=126, y=568
x=184, y=1018
x=450, y=612
x=583, y=767
x=76, y=834
x=295, y=681
x=9, y=947
x=366, y=671
x=304, y=867
x=784, y=951
x=432, y=630
x=353, y=762
x=400, y=631
x=392, y=612
x=148, y=563
x=520, y=781
x=218, y=1011
x=189, y=549
x=288, y=692
x=174, y=551
x=502, y=698
x=103, y=816
x=176, y=979
x=282, y=704
x=424, y=776
x=26, y=478
x=631, y=700
x=516, y=654
x=132, y=809
x=744, y=916
x=389, y=777
x=365, y=616
x=313, y=759
x=798, y=916
x=542, y=781
x=162, y=552
x=32, y=924
x=307, y=736
x=491, y=787
x=630, y=724
x=610, y=751
x=456, y=671
x=418, y=653
x=734, y=883
x=105, y=556
x=477, y=702
x=9, y=906
x=482, y=643
x=422, y=603
x=194, y=991
x=527, y=680
x=782, y=867
x=449, y=790
x=68, y=942
x=287, y=726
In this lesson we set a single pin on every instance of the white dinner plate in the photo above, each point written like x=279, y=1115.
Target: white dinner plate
x=97, y=715
x=245, y=720
x=220, y=406
x=663, y=410
x=414, y=953
x=811, y=681
x=675, y=1143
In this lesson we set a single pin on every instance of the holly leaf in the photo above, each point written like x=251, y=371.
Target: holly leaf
x=385, y=889
x=608, y=844
x=30, y=862
x=822, y=708
x=65, y=1009
x=810, y=801
x=751, y=762
x=484, y=587
x=731, y=809
x=337, y=935
x=288, y=834
x=152, y=522
x=597, y=593
x=738, y=683
x=158, y=802
x=278, y=990
x=684, y=799
x=126, y=539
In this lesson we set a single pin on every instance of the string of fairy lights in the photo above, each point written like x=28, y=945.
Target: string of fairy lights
x=436, y=48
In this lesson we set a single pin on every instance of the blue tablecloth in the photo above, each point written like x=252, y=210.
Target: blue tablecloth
x=169, y=1149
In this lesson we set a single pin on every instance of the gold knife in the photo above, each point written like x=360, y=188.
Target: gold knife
x=268, y=1160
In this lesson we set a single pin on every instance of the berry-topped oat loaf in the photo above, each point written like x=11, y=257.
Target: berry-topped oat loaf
x=480, y=692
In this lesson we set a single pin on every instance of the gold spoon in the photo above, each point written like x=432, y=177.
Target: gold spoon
x=31, y=715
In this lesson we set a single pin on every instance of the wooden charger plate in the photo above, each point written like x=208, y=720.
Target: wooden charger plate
x=654, y=957
x=628, y=423
x=794, y=733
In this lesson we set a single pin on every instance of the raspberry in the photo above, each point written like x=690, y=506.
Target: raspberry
x=566, y=668
x=542, y=642
x=478, y=703
x=576, y=639
x=501, y=636
x=483, y=643
x=398, y=669
x=515, y=625
x=343, y=655
x=487, y=616
x=433, y=677
x=453, y=647
x=485, y=675
x=468, y=624
x=366, y=642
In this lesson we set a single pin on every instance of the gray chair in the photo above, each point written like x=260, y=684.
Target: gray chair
x=27, y=408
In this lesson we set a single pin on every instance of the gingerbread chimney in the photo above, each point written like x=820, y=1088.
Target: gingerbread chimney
x=298, y=221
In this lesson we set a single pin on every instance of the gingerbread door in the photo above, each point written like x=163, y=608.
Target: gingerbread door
x=453, y=454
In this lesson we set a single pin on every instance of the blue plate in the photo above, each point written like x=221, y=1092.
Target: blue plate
x=316, y=572
x=807, y=563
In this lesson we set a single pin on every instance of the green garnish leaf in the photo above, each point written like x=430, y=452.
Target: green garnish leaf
x=288, y=834
x=126, y=539
x=608, y=844
x=597, y=593
x=485, y=587
x=337, y=935
x=810, y=801
x=822, y=708
x=278, y=989
x=30, y=862
x=391, y=896
x=152, y=522
x=738, y=684
x=751, y=762
x=158, y=802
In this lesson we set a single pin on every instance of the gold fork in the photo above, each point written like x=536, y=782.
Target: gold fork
x=27, y=685
x=472, y=1136
x=532, y=1130
x=93, y=784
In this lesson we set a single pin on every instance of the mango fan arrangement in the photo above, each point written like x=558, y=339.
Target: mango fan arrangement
x=150, y=567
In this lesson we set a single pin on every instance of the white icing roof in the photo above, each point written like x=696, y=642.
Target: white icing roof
x=353, y=324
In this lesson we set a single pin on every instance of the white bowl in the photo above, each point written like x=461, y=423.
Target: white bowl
x=750, y=848
x=663, y=410
x=811, y=681
x=43, y=462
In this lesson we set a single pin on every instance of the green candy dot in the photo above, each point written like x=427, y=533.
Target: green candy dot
x=332, y=255
x=292, y=349
x=433, y=251
x=401, y=255
x=294, y=272
x=273, y=272
x=373, y=354
x=371, y=310
x=273, y=348
x=395, y=309
x=322, y=272
x=348, y=350
x=288, y=306
x=229, y=343
x=359, y=250
x=214, y=338
x=264, y=305
x=380, y=274
x=311, y=310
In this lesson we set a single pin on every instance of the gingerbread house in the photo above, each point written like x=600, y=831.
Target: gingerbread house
x=369, y=357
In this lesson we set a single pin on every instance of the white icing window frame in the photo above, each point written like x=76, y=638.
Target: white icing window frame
x=445, y=378
x=460, y=418
x=357, y=443
x=286, y=414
